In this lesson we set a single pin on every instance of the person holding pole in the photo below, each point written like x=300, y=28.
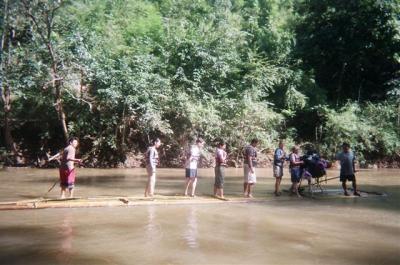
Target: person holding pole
x=67, y=168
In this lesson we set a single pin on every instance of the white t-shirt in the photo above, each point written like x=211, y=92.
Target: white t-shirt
x=193, y=157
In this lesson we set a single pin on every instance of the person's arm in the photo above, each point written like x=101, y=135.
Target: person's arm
x=282, y=156
x=56, y=156
x=294, y=162
x=249, y=161
x=354, y=163
x=221, y=157
x=71, y=156
x=152, y=161
x=224, y=156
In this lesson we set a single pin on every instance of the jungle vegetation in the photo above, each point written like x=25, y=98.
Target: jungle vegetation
x=117, y=73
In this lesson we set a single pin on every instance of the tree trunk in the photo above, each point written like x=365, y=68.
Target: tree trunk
x=58, y=102
x=4, y=87
x=10, y=144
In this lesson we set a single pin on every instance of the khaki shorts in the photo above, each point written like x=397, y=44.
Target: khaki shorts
x=278, y=171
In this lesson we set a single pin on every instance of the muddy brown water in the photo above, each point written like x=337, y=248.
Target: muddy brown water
x=284, y=230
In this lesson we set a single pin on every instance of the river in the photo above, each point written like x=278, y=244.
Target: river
x=280, y=230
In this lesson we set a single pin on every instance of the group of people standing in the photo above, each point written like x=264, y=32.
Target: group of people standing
x=192, y=158
x=297, y=173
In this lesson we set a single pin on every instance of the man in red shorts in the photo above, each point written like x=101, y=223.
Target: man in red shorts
x=67, y=168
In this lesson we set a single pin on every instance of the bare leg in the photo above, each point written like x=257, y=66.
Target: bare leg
x=245, y=184
x=249, y=185
x=62, y=196
x=194, y=182
x=355, y=192
x=71, y=193
x=292, y=188
x=221, y=193
x=297, y=185
x=277, y=185
x=146, y=191
x=344, y=186
x=152, y=183
x=187, y=186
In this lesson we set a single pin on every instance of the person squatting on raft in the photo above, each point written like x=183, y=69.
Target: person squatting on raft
x=295, y=170
x=347, y=168
x=220, y=164
x=151, y=165
x=67, y=168
x=192, y=160
x=250, y=162
x=279, y=159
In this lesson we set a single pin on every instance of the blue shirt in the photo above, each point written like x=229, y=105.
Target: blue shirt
x=278, y=157
x=346, y=163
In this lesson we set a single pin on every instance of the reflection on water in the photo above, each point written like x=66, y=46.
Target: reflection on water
x=66, y=232
x=190, y=230
x=153, y=230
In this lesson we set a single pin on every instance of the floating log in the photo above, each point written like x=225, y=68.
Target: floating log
x=104, y=201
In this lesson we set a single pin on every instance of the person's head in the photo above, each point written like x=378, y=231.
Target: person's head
x=73, y=141
x=221, y=145
x=157, y=143
x=254, y=142
x=295, y=149
x=200, y=142
x=346, y=147
x=281, y=144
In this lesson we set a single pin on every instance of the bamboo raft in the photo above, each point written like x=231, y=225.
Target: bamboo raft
x=113, y=201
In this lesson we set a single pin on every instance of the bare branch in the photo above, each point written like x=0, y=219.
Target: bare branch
x=80, y=99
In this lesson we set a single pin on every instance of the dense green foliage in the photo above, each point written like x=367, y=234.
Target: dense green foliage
x=118, y=73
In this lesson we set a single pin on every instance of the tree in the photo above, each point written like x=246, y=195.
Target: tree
x=351, y=46
x=42, y=14
x=6, y=53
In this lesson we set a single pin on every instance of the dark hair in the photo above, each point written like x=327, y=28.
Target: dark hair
x=156, y=140
x=70, y=140
x=221, y=143
x=199, y=140
x=254, y=141
x=345, y=144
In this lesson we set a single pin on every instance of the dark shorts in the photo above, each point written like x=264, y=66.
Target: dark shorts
x=295, y=174
x=191, y=173
x=67, y=178
x=219, y=176
x=351, y=177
